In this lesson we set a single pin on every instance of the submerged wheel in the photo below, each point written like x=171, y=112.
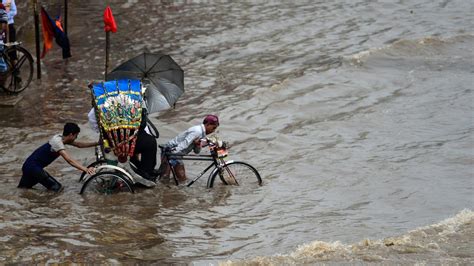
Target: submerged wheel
x=20, y=69
x=236, y=173
x=94, y=164
x=108, y=182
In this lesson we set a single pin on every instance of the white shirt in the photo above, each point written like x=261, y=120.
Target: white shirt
x=93, y=120
x=184, y=142
x=10, y=7
x=56, y=143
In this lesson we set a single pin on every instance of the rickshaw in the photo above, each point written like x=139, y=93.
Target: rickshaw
x=118, y=106
x=153, y=80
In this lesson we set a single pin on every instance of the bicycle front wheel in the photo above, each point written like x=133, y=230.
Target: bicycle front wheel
x=236, y=173
x=20, y=69
x=107, y=183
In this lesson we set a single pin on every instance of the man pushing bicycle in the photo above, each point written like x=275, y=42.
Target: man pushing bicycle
x=184, y=143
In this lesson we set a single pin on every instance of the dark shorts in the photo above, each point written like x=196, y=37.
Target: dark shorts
x=35, y=176
x=176, y=161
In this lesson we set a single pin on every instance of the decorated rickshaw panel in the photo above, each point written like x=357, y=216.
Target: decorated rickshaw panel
x=118, y=105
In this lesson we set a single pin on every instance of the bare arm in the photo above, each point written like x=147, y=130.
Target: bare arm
x=75, y=163
x=80, y=144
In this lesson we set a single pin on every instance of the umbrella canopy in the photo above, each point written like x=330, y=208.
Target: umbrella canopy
x=162, y=77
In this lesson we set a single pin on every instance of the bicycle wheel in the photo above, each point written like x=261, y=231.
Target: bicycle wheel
x=20, y=71
x=106, y=183
x=236, y=173
x=94, y=164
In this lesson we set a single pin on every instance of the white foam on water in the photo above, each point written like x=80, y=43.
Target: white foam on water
x=396, y=249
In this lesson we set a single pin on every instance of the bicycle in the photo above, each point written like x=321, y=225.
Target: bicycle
x=19, y=68
x=229, y=172
x=111, y=179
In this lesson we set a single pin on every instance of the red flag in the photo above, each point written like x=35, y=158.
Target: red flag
x=109, y=20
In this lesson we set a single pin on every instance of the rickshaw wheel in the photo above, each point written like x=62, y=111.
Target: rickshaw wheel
x=107, y=183
x=94, y=164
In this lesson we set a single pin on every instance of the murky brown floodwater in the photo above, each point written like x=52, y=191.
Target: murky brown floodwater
x=357, y=114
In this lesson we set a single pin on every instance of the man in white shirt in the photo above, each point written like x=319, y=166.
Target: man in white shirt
x=184, y=143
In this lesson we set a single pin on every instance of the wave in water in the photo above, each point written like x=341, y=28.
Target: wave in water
x=449, y=241
x=424, y=47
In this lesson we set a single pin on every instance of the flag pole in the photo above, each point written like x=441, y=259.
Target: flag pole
x=65, y=17
x=107, y=48
x=109, y=26
x=37, y=40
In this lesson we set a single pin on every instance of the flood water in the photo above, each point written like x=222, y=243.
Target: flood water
x=358, y=115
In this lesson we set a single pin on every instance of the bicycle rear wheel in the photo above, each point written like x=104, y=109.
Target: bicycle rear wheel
x=236, y=173
x=20, y=70
x=107, y=183
x=93, y=164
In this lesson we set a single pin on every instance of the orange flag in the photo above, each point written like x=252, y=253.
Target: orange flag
x=48, y=32
x=52, y=29
x=109, y=20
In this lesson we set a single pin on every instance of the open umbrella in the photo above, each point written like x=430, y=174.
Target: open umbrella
x=162, y=77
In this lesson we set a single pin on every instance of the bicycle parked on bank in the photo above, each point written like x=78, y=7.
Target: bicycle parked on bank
x=16, y=70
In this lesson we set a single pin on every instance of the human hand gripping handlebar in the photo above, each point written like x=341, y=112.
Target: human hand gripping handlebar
x=214, y=143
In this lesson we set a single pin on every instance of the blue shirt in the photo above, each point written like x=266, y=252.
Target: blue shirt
x=44, y=155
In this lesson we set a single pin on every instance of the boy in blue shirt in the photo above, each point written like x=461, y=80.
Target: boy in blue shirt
x=33, y=168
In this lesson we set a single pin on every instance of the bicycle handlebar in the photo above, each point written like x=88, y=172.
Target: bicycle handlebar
x=212, y=145
x=218, y=144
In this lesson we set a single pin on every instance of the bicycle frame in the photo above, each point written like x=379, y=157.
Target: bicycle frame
x=217, y=163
